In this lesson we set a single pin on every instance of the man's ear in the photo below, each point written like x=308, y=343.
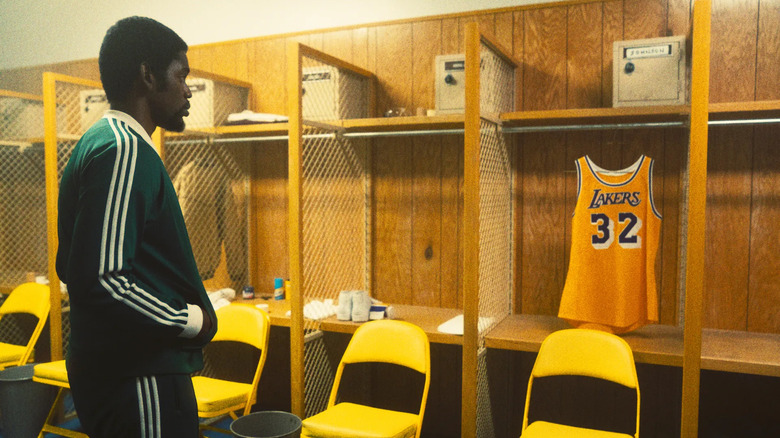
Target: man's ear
x=147, y=77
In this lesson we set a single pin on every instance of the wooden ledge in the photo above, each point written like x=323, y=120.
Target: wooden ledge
x=254, y=129
x=427, y=318
x=653, y=344
x=412, y=123
x=722, y=350
x=277, y=309
x=765, y=109
x=741, y=352
x=595, y=116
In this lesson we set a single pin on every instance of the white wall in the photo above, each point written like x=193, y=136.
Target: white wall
x=35, y=32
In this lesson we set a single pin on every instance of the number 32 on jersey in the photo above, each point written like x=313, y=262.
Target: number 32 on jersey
x=628, y=226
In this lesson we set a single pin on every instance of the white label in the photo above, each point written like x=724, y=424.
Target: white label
x=647, y=51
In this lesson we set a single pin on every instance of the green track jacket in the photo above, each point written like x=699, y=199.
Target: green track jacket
x=124, y=253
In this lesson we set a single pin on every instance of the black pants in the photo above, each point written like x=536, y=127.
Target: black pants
x=162, y=406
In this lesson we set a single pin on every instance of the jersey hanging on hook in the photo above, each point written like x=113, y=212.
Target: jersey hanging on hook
x=616, y=228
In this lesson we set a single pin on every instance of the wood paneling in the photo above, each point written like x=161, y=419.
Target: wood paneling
x=768, y=71
x=504, y=23
x=427, y=44
x=544, y=53
x=728, y=228
x=269, y=80
x=734, y=29
x=451, y=220
x=339, y=44
x=644, y=19
x=394, y=67
x=392, y=220
x=544, y=210
x=269, y=196
x=679, y=22
x=451, y=42
x=764, y=296
x=360, y=48
x=611, y=31
x=427, y=238
x=584, y=47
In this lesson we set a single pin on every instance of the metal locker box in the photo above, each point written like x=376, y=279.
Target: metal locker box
x=649, y=72
x=450, y=84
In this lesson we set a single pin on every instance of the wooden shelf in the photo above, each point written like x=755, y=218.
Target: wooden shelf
x=595, y=116
x=427, y=318
x=414, y=123
x=741, y=352
x=722, y=350
x=765, y=109
x=566, y=117
x=255, y=129
x=277, y=309
x=653, y=344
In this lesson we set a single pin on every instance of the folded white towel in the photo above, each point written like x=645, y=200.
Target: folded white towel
x=318, y=310
x=221, y=302
x=227, y=294
x=248, y=116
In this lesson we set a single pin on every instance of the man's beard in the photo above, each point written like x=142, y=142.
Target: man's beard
x=175, y=123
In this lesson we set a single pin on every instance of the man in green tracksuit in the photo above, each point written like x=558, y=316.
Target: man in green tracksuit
x=139, y=313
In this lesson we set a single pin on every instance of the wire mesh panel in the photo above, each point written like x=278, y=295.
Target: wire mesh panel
x=334, y=209
x=22, y=191
x=495, y=216
x=22, y=202
x=212, y=184
x=497, y=83
x=335, y=239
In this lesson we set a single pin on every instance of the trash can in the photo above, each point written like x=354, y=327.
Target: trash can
x=24, y=404
x=267, y=424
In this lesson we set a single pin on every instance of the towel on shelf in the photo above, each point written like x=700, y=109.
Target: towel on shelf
x=319, y=310
x=454, y=326
x=249, y=117
x=221, y=297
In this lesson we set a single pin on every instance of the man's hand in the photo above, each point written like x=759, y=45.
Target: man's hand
x=206, y=327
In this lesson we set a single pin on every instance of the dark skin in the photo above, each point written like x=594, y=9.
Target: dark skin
x=155, y=101
x=162, y=102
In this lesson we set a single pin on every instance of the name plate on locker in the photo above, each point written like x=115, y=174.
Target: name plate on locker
x=650, y=72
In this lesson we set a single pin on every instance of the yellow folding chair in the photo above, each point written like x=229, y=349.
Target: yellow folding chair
x=581, y=352
x=33, y=299
x=216, y=397
x=55, y=373
x=384, y=341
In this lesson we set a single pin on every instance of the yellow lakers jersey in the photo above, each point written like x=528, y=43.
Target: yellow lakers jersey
x=615, y=234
